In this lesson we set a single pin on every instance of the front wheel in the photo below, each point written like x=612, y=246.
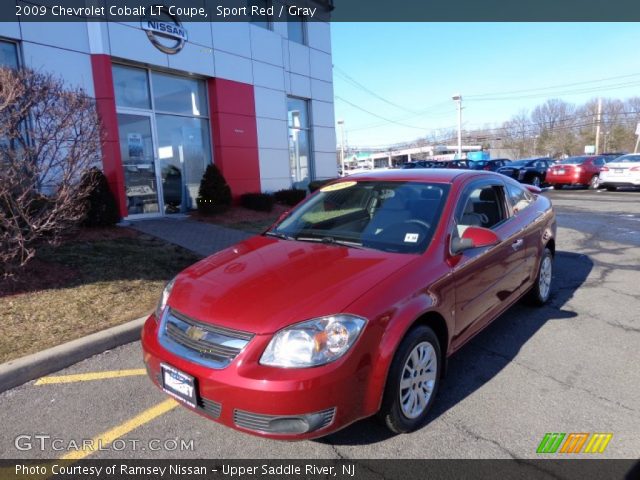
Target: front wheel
x=413, y=381
x=536, y=182
x=541, y=290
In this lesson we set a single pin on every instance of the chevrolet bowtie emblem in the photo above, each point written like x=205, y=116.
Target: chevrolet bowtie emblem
x=195, y=333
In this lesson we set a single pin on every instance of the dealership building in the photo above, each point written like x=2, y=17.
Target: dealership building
x=254, y=98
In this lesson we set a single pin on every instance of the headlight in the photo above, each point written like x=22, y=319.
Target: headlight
x=314, y=342
x=163, y=299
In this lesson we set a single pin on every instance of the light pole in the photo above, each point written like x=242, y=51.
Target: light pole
x=458, y=98
x=341, y=123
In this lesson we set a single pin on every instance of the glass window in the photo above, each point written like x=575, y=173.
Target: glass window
x=179, y=95
x=295, y=29
x=299, y=142
x=8, y=54
x=519, y=197
x=131, y=87
x=483, y=207
x=256, y=7
x=183, y=151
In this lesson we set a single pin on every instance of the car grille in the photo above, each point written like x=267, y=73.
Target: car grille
x=209, y=345
x=283, y=423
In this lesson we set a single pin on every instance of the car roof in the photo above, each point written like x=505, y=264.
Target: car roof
x=434, y=175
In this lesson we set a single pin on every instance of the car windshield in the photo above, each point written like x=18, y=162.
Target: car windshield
x=392, y=216
x=478, y=163
x=521, y=163
x=628, y=159
x=573, y=161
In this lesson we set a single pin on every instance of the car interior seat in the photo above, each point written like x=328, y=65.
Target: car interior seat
x=487, y=206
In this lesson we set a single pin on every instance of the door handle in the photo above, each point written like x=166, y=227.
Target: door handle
x=517, y=244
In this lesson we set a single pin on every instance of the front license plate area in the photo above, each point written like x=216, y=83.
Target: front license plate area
x=179, y=385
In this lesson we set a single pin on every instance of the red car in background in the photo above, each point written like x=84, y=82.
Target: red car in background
x=350, y=305
x=584, y=171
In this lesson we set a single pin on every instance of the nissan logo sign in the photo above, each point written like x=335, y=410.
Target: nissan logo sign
x=166, y=36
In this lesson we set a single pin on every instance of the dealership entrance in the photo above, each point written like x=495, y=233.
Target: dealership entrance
x=165, y=145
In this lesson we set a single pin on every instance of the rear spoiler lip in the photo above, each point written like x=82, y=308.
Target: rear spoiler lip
x=533, y=189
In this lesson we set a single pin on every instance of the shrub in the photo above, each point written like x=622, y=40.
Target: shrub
x=214, y=195
x=290, y=196
x=316, y=184
x=262, y=202
x=102, y=208
x=49, y=135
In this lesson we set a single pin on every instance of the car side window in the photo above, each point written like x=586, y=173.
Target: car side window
x=519, y=197
x=480, y=206
x=599, y=162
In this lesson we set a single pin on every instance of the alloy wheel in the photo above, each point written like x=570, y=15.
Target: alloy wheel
x=418, y=379
x=544, y=281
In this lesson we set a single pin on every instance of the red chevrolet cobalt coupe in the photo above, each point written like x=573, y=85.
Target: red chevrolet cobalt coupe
x=351, y=303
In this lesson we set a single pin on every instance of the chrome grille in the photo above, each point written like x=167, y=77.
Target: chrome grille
x=267, y=423
x=208, y=345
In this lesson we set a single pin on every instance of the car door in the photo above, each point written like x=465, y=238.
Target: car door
x=488, y=279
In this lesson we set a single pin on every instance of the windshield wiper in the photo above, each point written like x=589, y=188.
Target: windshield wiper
x=331, y=240
x=279, y=235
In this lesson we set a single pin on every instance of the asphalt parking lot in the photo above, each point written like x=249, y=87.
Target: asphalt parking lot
x=571, y=366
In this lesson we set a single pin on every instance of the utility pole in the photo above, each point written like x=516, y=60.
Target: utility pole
x=341, y=123
x=458, y=98
x=598, y=126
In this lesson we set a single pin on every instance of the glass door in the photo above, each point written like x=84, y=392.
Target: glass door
x=138, y=161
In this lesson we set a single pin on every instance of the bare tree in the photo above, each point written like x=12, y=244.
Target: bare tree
x=517, y=134
x=49, y=135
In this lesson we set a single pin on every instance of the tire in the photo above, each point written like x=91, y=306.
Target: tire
x=594, y=183
x=541, y=290
x=559, y=186
x=611, y=189
x=401, y=410
x=536, y=181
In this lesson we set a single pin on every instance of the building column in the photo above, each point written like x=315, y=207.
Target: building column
x=106, y=108
x=234, y=134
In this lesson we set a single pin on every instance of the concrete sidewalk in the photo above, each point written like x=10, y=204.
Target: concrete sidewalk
x=199, y=237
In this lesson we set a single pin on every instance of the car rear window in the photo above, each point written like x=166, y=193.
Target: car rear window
x=574, y=161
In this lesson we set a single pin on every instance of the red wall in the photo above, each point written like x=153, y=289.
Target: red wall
x=234, y=133
x=106, y=106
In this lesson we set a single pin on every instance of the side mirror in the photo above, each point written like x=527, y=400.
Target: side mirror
x=474, y=237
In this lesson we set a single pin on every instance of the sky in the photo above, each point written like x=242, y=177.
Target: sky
x=410, y=71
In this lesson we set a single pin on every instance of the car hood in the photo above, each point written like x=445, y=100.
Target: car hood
x=264, y=284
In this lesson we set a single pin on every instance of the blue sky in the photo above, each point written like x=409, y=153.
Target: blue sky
x=418, y=66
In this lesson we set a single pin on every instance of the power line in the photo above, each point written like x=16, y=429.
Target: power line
x=376, y=115
x=551, y=87
x=341, y=73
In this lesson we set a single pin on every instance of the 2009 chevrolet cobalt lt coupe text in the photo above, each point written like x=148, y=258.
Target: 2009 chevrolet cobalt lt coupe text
x=351, y=303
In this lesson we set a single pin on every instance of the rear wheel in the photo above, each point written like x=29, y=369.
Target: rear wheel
x=413, y=381
x=541, y=290
x=558, y=186
x=612, y=189
x=594, y=183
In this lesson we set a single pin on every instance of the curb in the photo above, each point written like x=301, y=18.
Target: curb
x=22, y=370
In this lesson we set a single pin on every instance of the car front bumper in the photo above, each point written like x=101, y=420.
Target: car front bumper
x=286, y=404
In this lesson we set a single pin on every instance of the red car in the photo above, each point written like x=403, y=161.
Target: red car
x=350, y=305
x=583, y=171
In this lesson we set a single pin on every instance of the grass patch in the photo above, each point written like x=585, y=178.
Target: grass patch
x=90, y=285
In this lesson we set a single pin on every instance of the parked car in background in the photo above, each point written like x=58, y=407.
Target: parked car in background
x=350, y=305
x=529, y=170
x=489, y=165
x=454, y=164
x=623, y=171
x=420, y=164
x=584, y=171
x=611, y=156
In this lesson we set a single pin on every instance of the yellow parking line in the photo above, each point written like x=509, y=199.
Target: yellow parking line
x=109, y=436
x=84, y=377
